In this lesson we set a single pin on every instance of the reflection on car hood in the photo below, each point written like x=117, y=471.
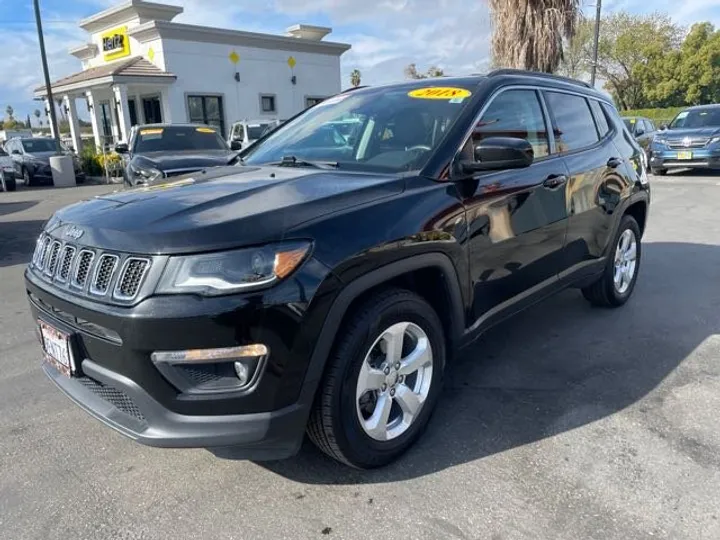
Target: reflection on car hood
x=185, y=159
x=222, y=208
x=690, y=132
x=6, y=162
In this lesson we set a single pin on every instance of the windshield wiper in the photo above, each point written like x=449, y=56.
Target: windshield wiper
x=292, y=161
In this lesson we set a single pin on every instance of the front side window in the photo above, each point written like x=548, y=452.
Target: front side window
x=383, y=129
x=515, y=113
x=177, y=138
x=574, y=124
x=207, y=110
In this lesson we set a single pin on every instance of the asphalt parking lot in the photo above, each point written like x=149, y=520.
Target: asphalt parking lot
x=565, y=423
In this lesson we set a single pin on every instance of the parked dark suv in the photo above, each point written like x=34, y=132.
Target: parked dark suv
x=325, y=288
x=31, y=157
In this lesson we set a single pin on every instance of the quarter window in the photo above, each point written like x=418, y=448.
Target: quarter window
x=207, y=110
x=600, y=118
x=515, y=113
x=574, y=125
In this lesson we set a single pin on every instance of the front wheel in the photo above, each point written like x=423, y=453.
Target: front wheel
x=659, y=172
x=8, y=183
x=618, y=280
x=27, y=178
x=382, y=381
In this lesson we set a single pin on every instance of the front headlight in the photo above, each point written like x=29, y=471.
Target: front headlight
x=144, y=175
x=228, y=272
x=714, y=140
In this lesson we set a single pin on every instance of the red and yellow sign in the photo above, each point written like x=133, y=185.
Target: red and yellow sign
x=440, y=92
x=115, y=43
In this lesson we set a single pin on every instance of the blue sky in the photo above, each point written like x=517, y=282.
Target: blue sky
x=386, y=35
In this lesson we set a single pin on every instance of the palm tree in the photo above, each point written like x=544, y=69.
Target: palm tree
x=36, y=112
x=9, y=111
x=355, y=77
x=528, y=34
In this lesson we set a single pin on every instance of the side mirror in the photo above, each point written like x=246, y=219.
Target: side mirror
x=16, y=152
x=663, y=127
x=121, y=148
x=640, y=132
x=498, y=153
x=235, y=145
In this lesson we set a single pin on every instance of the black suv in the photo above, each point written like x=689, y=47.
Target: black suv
x=31, y=158
x=159, y=151
x=324, y=288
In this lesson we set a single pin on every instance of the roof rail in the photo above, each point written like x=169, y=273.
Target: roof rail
x=353, y=88
x=507, y=71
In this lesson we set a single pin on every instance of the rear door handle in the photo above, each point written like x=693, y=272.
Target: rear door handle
x=614, y=162
x=555, y=180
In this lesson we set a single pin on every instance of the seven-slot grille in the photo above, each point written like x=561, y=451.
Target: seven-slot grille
x=86, y=270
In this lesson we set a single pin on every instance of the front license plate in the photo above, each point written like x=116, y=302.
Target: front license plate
x=684, y=155
x=56, y=346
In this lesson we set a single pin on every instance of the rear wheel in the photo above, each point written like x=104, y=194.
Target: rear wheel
x=9, y=183
x=618, y=280
x=382, y=381
x=27, y=177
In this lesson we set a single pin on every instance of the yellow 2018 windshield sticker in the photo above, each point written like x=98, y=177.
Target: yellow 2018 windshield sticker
x=205, y=130
x=440, y=92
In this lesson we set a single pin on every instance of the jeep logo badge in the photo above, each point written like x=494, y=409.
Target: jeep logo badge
x=74, y=232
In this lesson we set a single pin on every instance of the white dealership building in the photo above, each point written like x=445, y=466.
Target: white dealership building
x=140, y=67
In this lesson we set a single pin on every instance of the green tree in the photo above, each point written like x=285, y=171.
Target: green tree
x=411, y=72
x=531, y=34
x=10, y=111
x=628, y=44
x=699, y=67
x=37, y=113
x=355, y=77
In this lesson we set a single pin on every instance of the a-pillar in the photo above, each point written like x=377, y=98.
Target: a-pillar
x=49, y=118
x=123, y=112
x=93, y=109
x=71, y=107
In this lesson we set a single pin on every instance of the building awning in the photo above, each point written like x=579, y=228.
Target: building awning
x=130, y=70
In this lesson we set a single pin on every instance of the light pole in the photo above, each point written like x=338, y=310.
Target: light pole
x=48, y=87
x=593, y=68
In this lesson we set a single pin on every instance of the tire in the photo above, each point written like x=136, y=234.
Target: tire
x=335, y=421
x=659, y=172
x=10, y=184
x=606, y=292
x=27, y=177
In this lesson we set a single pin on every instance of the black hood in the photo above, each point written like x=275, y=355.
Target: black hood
x=222, y=208
x=186, y=159
x=690, y=132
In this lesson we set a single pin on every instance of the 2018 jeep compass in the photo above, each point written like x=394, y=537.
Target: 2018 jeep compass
x=322, y=284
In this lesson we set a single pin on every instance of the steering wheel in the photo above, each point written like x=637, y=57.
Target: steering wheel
x=419, y=147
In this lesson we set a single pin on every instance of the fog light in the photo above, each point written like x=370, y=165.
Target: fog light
x=242, y=372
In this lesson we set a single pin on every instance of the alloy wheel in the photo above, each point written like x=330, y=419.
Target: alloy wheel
x=625, y=261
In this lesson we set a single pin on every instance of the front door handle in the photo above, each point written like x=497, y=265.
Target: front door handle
x=614, y=162
x=555, y=180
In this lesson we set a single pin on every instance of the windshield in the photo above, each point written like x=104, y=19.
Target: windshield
x=40, y=145
x=697, y=118
x=255, y=131
x=178, y=138
x=386, y=129
x=629, y=123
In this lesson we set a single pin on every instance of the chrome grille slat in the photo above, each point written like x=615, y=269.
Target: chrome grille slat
x=131, y=277
x=51, y=259
x=39, y=247
x=45, y=250
x=81, y=270
x=66, y=261
x=103, y=274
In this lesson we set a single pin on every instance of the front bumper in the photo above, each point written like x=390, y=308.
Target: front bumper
x=118, y=383
x=671, y=159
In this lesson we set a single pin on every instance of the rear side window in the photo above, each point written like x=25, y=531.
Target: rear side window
x=516, y=113
x=600, y=118
x=574, y=124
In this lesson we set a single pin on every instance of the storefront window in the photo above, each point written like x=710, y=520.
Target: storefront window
x=207, y=110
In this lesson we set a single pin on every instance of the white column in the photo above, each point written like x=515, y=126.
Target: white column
x=120, y=95
x=49, y=117
x=69, y=103
x=165, y=104
x=94, y=117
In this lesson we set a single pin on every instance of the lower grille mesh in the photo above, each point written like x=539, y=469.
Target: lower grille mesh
x=112, y=395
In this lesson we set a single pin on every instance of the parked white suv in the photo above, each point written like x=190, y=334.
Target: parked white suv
x=247, y=132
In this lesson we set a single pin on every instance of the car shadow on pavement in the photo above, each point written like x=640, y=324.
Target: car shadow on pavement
x=558, y=366
x=13, y=207
x=17, y=241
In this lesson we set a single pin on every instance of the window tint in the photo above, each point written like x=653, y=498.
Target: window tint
x=515, y=113
x=600, y=118
x=574, y=125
